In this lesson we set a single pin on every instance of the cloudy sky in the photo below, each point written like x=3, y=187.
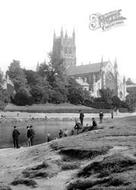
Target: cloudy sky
x=27, y=26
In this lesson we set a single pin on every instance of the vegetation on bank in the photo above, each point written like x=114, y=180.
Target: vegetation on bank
x=50, y=84
x=54, y=108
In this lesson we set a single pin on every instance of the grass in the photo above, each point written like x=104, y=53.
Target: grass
x=27, y=182
x=36, y=171
x=69, y=165
x=107, y=168
x=53, y=108
x=112, y=164
x=5, y=187
x=112, y=171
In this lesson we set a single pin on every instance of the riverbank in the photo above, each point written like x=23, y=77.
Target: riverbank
x=103, y=159
x=17, y=115
x=53, y=108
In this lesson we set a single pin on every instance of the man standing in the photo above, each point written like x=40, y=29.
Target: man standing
x=28, y=135
x=81, y=117
x=48, y=137
x=15, y=135
x=32, y=134
x=101, y=116
x=94, y=124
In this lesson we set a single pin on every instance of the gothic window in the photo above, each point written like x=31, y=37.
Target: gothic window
x=110, y=81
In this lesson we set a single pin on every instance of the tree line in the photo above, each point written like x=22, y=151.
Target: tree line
x=49, y=83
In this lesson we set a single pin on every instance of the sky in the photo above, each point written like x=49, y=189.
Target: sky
x=27, y=27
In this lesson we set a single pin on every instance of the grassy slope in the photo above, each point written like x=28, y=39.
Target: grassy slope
x=114, y=145
x=52, y=108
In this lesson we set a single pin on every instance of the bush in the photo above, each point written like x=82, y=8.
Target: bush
x=22, y=98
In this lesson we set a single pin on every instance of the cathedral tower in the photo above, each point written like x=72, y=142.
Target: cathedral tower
x=64, y=48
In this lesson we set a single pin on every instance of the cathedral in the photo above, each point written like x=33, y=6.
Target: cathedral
x=91, y=77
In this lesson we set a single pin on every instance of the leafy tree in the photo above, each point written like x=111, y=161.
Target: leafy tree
x=76, y=95
x=4, y=96
x=32, y=77
x=106, y=95
x=116, y=102
x=56, y=97
x=23, y=97
x=16, y=74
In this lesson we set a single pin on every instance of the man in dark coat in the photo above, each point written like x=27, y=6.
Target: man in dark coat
x=94, y=124
x=29, y=136
x=15, y=135
x=101, y=116
x=32, y=134
x=81, y=117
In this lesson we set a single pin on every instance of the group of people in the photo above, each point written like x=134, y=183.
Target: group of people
x=30, y=136
x=78, y=127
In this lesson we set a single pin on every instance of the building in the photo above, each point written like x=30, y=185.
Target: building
x=64, y=48
x=100, y=75
x=130, y=86
x=92, y=77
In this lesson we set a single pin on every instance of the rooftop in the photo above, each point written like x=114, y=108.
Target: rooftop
x=85, y=69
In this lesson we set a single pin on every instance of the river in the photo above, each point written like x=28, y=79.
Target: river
x=44, y=123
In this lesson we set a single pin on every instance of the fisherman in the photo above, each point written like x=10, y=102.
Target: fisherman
x=101, y=116
x=28, y=136
x=48, y=137
x=94, y=124
x=15, y=135
x=60, y=133
x=81, y=117
x=32, y=134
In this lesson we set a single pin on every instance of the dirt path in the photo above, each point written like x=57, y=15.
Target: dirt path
x=14, y=161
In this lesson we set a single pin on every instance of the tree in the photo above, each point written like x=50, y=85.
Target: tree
x=23, y=97
x=4, y=96
x=17, y=76
x=106, y=95
x=76, y=95
x=32, y=77
x=116, y=102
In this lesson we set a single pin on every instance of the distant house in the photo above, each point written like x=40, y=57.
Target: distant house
x=130, y=86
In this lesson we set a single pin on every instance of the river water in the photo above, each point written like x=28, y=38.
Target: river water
x=48, y=123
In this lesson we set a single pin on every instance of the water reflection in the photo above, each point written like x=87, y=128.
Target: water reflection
x=41, y=130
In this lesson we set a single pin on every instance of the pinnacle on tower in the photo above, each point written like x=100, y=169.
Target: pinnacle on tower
x=73, y=34
x=61, y=33
x=66, y=35
x=124, y=79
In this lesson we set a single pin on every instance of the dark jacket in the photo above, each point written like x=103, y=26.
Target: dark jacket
x=28, y=133
x=101, y=115
x=32, y=133
x=15, y=133
x=81, y=115
x=78, y=126
x=94, y=124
